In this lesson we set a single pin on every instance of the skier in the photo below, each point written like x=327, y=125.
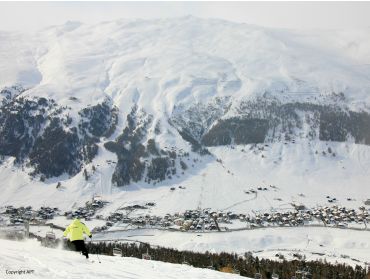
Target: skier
x=76, y=230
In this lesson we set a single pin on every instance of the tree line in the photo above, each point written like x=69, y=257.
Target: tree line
x=247, y=265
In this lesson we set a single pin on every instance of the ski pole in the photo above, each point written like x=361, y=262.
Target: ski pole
x=97, y=251
x=98, y=257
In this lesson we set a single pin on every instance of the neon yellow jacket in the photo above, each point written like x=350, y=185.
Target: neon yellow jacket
x=76, y=230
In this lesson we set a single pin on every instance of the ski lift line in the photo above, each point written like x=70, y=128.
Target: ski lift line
x=359, y=158
x=201, y=192
x=125, y=239
x=267, y=200
x=239, y=183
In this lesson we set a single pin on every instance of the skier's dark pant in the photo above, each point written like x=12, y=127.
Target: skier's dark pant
x=80, y=247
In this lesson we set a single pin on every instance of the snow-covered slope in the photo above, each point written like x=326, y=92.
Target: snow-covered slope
x=161, y=63
x=152, y=104
x=300, y=175
x=184, y=114
x=33, y=261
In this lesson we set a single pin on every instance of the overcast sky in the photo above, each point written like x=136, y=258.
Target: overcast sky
x=307, y=15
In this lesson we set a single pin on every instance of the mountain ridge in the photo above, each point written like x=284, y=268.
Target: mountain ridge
x=154, y=96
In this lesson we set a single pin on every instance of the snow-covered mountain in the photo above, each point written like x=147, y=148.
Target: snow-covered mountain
x=144, y=103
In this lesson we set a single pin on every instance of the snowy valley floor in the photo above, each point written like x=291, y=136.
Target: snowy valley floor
x=334, y=245
x=43, y=262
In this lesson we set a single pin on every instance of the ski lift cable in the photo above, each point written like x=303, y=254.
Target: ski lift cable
x=238, y=183
x=267, y=201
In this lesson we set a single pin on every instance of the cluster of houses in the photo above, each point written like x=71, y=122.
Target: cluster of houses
x=88, y=211
x=341, y=216
x=334, y=215
x=289, y=218
x=207, y=220
x=17, y=216
x=198, y=220
x=189, y=220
